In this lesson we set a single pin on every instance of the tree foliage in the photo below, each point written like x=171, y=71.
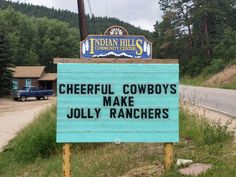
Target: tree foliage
x=96, y=25
x=36, y=41
x=5, y=64
x=43, y=33
x=34, y=35
x=198, y=32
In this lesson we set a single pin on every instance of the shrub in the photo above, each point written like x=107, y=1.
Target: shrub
x=194, y=67
x=216, y=66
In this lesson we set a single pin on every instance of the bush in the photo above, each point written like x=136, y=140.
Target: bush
x=194, y=67
x=215, y=132
x=216, y=66
x=226, y=48
x=232, y=62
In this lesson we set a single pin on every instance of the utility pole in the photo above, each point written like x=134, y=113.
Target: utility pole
x=82, y=20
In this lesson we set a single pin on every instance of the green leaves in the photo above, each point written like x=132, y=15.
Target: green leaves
x=35, y=41
x=5, y=63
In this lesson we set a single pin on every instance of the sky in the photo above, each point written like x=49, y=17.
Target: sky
x=140, y=13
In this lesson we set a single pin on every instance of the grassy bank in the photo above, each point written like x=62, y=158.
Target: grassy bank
x=200, y=81
x=225, y=78
x=34, y=152
x=194, y=81
x=228, y=86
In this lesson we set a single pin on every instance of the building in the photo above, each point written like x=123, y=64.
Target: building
x=34, y=76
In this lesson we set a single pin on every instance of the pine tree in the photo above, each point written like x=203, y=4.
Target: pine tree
x=5, y=63
x=198, y=30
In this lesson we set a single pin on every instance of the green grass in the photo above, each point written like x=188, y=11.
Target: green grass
x=199, y=81
x=205, y=142
x=194, y=81
x=36, y=140
x=35, y=153
x=229, y=86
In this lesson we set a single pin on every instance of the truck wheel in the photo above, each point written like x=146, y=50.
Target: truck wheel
x=38, y=98
x=45, y=97
x=23, y=98
x=15, y=99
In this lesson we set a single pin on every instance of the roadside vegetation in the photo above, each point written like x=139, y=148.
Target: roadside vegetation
x=201, y=34
x=194, y=81
x=220, y=78
x=34, y=151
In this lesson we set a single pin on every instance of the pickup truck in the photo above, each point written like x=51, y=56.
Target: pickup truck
x=31, y=91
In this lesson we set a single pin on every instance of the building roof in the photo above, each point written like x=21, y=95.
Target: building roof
x=28, y=71
x=48, y=77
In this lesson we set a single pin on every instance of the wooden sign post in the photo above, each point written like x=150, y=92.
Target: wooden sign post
x=66, y=155
x=169, y=155
x=117, y=93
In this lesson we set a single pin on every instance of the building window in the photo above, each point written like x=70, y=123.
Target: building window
x=28, y=82
x=15, y=84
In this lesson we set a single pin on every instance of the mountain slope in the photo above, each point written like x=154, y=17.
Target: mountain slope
x=96, y=25
x=223, y=79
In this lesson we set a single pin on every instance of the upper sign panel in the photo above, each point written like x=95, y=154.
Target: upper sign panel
x=117, y=45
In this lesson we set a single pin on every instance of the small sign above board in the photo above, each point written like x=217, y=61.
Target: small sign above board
x=116, y=30
x=116, y=43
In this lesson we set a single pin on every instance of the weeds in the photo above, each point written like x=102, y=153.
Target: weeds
x=201, y=131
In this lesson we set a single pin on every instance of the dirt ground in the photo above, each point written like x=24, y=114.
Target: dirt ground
x=15, y=115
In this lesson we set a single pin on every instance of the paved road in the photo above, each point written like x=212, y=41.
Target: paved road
x=16, y=115
x=221, y=100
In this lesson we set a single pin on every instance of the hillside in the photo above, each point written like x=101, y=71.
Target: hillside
x=31, y=41
x=96, y=25
x=220, y=78
x=223, y=79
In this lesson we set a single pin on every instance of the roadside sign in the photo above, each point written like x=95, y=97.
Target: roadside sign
x=101, y=98
x=115, y=47
x=115, y=43
x=117, y=102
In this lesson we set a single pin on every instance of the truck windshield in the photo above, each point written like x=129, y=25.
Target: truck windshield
x=25, y=88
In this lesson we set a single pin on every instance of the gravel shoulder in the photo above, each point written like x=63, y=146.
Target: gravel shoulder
x=15, y=115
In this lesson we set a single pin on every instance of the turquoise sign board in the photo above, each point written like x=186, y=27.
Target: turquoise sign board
x=118, y=103
x=111, y=46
